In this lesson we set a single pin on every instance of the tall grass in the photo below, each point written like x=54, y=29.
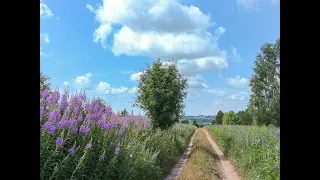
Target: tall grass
x=84, y=139
x=255, y=151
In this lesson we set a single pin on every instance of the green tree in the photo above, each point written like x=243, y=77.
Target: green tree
x=195, y=123
x=218, y=119
x=45, y=81
x=124, y=112
x=185, y=121
x=230, y=118
x=244, y=117
x=161, y=91
x=264, y=104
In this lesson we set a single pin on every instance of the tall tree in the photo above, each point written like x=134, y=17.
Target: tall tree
x=244, y=117
x=45, y=81
x=219, y=116
x=264, y=104
x=230, y=118
x=161, y=91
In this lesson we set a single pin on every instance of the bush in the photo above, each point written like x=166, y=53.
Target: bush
x=254, y=150
x=161, y=91
x=195, y=123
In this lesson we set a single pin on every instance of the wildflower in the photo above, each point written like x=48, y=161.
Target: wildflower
x=118, y=150
x=110, y=144
x=101, y=157
x=88, y=146
x=59, y=141
x=71, y=151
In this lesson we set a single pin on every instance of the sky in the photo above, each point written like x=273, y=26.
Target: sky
x=101, y=46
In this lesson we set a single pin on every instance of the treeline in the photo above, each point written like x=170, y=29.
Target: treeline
x=239, y=118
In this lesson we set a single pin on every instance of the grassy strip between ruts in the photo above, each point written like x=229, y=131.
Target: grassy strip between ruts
x=203, y=161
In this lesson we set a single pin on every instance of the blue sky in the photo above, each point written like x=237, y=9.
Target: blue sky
x=101, y=45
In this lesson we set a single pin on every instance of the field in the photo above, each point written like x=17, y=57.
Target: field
x=81, y=139
x=255, y=151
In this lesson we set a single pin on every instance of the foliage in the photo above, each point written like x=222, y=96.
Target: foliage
x=230, y=118
x=185, y=122
x=264, y=102
x=124, y=112
x=255, y=151
x=45, y=81
x=195, y=123
x=161, y=91
x=81, y=139
x=219, y=116
x=244, y=117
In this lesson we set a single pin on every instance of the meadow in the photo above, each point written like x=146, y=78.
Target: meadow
x=255, y=151
x=85, y=139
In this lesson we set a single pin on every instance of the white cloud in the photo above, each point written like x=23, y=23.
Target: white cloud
x=66, y=83
x=158, y=28
x=238, y=82
x=135, y=76
x=45, y=12
x=197, y=82
x=91, y=9
x=44, y=39
x=238, y=96
x=133, y=90
x=219, y=93
x=219, y=32
x=83, y=81
x=202, y=65
x=104, y=88
x=235, y=56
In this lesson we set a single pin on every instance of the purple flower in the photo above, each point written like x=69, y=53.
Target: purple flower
x=88, y=146
x=59, y=141
x=101, y=157
x=110, y=144
x=118, y=150
x=62, y=124
x=71, y=151
x=84, y=129
x=54, y=115
x=53, y=97
x=75, y=129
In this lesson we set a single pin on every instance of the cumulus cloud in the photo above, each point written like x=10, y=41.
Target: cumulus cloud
x=237, y=82
x=83, y=81
x=197, y=82
x=202, y=65
x=104, y=88
x=135, y=76
x=158, y=28
x=45, y=12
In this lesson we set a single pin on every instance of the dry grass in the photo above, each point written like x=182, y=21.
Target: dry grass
x=203, y=162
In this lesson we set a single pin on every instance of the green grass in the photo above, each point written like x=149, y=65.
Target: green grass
x=255, y=151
